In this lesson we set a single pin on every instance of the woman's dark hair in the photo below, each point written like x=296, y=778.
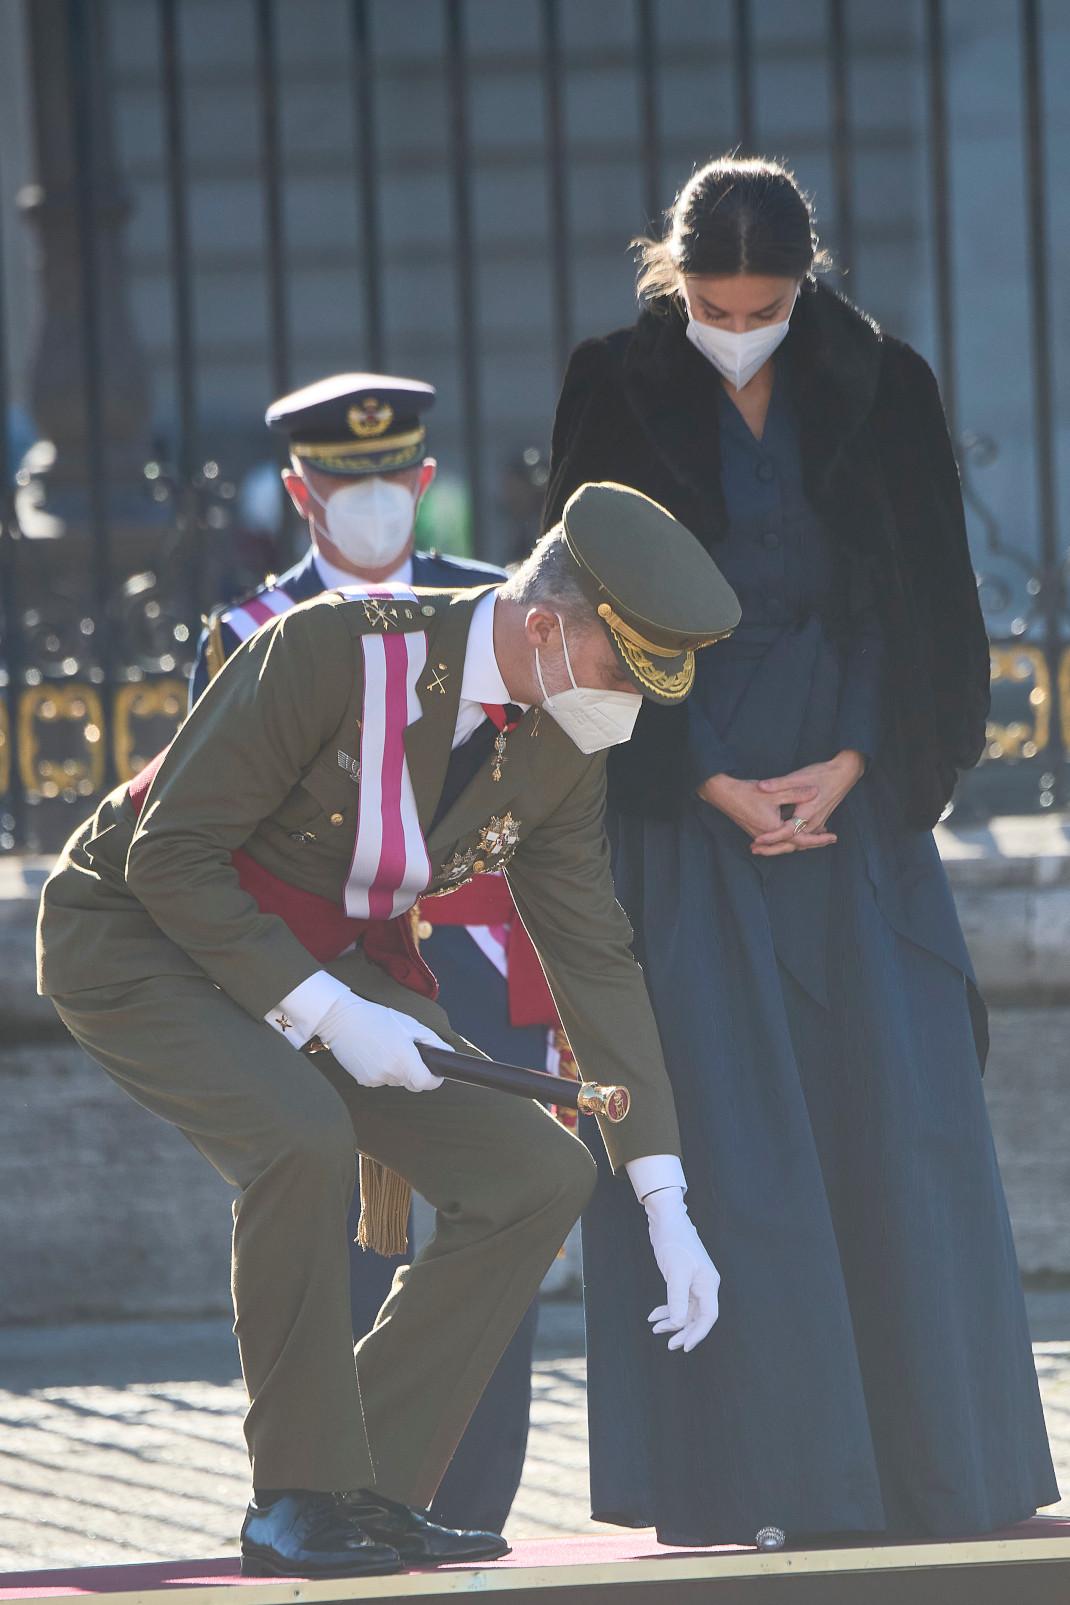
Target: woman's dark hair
x=733, y=216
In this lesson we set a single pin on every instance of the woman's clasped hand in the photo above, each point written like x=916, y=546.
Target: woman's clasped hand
x=790, y=813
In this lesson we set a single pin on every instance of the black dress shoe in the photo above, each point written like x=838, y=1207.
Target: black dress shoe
x=419, y=1540
x=311, y=1535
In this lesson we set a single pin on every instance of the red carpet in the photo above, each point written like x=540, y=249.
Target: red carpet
x=593, y=1550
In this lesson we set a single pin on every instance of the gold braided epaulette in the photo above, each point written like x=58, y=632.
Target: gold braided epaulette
x=215, y=653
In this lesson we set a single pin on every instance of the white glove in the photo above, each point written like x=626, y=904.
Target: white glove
x=691, y=1277
x=375, y=1044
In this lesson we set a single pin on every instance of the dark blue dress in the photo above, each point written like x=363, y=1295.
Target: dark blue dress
x=871, y=1368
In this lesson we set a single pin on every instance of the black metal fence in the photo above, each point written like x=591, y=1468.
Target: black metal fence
x=113, y=542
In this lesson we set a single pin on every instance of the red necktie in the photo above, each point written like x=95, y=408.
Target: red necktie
x=503, y=716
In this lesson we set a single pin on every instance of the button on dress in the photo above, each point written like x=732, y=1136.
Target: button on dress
x=871, y=1369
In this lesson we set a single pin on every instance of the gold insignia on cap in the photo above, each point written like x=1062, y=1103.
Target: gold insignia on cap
x=370, y=417
x=645, y=659
x=663, y=682
x=363, y=456
x=621, y=628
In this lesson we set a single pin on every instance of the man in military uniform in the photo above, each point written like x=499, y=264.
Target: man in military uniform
x=249, y=895
x=358, y=469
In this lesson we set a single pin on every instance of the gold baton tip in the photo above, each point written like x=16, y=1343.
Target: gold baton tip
x=612, y=1102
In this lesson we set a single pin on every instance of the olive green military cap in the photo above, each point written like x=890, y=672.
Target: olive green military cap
x=658, y=592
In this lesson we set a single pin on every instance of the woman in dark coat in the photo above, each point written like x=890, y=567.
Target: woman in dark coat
x=871, y=1369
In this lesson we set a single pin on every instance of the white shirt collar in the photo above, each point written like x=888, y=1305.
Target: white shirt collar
x=482, y=680
x=336, y=579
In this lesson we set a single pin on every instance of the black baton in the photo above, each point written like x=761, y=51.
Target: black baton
x=586, y=1096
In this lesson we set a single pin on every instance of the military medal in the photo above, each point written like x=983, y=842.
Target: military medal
x=458, y=868
x=499, y=717
x=498, y=841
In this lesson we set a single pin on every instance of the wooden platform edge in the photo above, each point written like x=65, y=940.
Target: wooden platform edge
x=660, y=1570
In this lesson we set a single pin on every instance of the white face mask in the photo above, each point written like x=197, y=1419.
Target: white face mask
x=370, y=521
x=591, y=718
x=737, y=356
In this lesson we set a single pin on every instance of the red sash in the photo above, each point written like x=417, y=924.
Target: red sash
x=318, y=924
x=485, y=900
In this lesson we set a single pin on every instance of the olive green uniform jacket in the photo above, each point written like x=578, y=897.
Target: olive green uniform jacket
x=265, y=762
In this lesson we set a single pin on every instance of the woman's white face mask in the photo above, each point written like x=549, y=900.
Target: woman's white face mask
x=370, y=522
x=592, y=718
x=737, y=356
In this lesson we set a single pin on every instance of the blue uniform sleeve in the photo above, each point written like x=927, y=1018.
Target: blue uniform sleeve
x=859, y=718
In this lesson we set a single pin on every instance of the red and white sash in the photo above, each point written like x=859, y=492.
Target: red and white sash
x=390, y=867
x=250, y=615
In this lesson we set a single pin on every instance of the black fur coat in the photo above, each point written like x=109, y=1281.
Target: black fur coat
x=640, y=406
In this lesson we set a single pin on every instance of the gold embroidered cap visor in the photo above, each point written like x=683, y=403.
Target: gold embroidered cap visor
x=658, y=592
x=355, y=424
x=354, y=458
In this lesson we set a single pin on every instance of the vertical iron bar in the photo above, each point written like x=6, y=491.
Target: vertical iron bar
x=464, y=263
x=940, y=203
x=649, y=114
x=1052, y=592
x=744, y=67
x=10, y=623
x=560, y=242
x=841, y=135
x=182, y=298
x=368, y=169
x=267, y=74
x=82, y=63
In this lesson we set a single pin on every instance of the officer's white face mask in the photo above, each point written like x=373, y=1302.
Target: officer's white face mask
x=370, y=521
x=737, y=356
x=591, y=718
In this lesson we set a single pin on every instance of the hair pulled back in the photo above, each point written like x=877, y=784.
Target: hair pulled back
x=735, y=215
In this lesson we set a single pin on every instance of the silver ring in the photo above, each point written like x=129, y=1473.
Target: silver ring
x=800, y=824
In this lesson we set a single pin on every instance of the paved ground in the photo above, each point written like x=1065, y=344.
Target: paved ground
x=123, y=1443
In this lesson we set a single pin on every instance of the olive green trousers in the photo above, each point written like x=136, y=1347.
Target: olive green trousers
x=505, y=1180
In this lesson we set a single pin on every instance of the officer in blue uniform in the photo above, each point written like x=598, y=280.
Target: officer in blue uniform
x=358, y=470
x=357, y=474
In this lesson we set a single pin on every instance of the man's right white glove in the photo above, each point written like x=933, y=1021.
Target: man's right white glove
x=691, y=1278
x=376, y=1044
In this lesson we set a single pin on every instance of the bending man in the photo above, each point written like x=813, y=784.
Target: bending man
x=250, y=892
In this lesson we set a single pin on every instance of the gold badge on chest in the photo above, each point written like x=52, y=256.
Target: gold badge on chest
x=494, y=848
